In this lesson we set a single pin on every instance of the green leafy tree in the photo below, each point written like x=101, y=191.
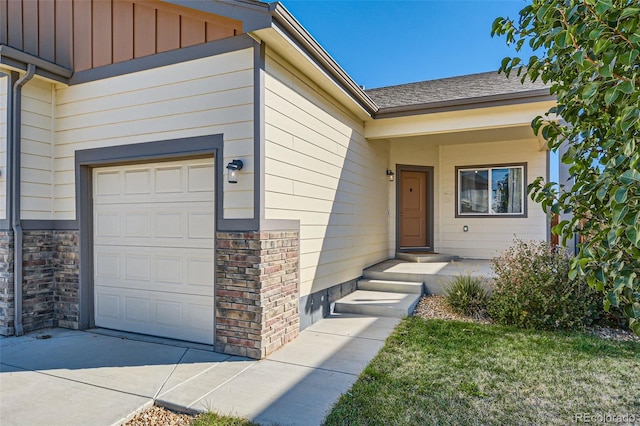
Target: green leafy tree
x=591, y=60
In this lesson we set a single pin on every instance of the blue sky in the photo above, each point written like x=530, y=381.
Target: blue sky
x=387, y=42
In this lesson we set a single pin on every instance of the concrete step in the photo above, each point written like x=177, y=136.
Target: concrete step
x=413, y=287
x=436, y=276
x=425, y=257
x=378, y=303
x=437, y=284
x=398, y=270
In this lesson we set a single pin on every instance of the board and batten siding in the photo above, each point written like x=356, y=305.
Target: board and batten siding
x=212, y=95
x=488, y=237
x=4, y=81
x=36, y=186
x=320, y=170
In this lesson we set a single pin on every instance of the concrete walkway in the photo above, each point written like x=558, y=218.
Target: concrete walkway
x=99, y=377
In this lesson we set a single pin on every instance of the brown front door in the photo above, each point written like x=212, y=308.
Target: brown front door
x=413, y=209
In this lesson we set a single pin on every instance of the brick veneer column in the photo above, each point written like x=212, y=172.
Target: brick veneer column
x=6, y=283
x=38, y=284
x=50, y=280
x=257, y=291
x=66, y=278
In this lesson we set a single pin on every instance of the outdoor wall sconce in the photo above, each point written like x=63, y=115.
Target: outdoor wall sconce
x=233, y=168
x=391, y=175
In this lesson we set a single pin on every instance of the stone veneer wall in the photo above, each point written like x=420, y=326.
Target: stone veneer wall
x=6, y=283
x=257, y=287
x=50, y=271
x=67, y=278
x=38, y=283
x=257, y=291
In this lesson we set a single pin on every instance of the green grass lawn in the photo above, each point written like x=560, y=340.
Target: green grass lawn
x=213, y=419
x=434, y=372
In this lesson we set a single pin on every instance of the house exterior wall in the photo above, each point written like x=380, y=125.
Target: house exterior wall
x=38, y=109
x=487, y=236
x=413, y=153
x=320, y=170
x=212, y=95
x=83, y=34
x=256, y=291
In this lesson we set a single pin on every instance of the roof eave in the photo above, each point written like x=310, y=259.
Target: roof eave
x=288, y=23
x=19, y=60
x=257, y=16
x=529, y=96
x=254, y=14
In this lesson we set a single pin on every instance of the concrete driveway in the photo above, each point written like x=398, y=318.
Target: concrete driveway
x=101, y=377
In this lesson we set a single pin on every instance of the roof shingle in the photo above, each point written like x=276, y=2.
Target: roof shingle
x=449, y=89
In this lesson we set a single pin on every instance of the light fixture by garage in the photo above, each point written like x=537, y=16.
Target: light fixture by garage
x=233, y=167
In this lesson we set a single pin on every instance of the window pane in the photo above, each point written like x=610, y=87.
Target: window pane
x=506, y=190
x=474, y=191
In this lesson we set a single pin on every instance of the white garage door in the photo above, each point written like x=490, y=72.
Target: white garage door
x=154, y=249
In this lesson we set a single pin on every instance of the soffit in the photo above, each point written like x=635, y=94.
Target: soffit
x=503, y=116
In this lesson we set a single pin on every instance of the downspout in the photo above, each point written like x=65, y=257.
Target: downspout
x=14, y=153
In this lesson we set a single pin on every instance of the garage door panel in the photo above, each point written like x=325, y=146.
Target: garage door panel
x=106, y=183
x=194, y=314
x=137, y=224
x=158, y=224
x=169, y=269
x=137, y=267
x=132, y=199
x=178, y=181
x=155, y=268
x=169, y=313
x=169, y=224
x=106, y=224
x=169, y=180
x=154, y=258
x=137, y=309
x=201, y=178
x=200, y=272
x=200, y=225
x=156, y=313
x=137, y=181
x=107, y=265
x=107, y=306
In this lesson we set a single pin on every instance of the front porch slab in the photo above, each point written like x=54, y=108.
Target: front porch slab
x=435, y=275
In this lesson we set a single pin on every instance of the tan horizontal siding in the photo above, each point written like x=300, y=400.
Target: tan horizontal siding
x=320, y=170
x=212, y=95
x=487, y=236
x=37, y=146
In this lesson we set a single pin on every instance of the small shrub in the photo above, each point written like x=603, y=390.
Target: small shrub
x=467, y=296
x=533, y=290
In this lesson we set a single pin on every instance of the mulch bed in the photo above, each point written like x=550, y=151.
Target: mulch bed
x=159, y=416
